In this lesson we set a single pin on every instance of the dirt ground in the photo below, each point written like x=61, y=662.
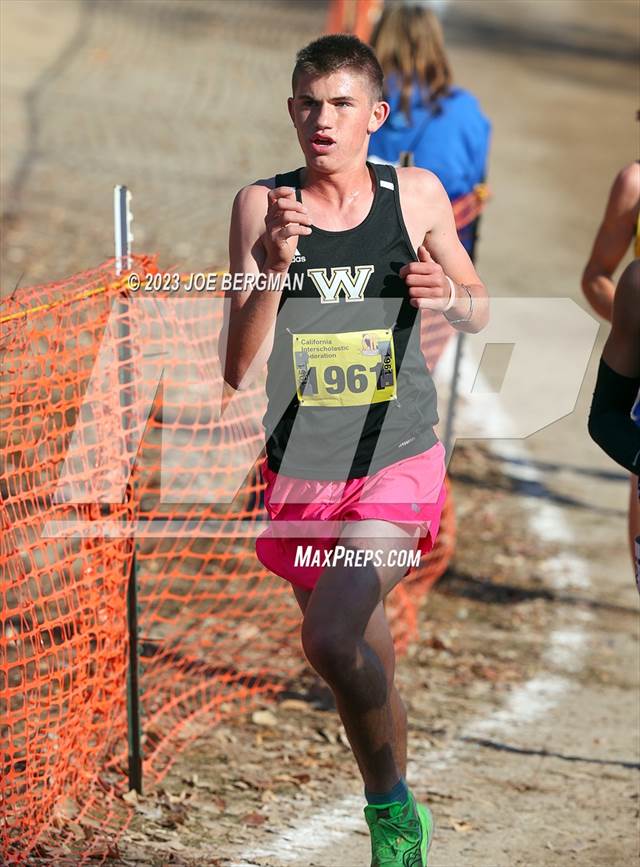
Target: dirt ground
x=522, y=687
x=283, y=788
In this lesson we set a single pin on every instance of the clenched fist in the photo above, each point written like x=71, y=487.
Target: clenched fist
x=286, y=218
x=429, y=286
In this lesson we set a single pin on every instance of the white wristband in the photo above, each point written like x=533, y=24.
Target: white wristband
x=452, y=296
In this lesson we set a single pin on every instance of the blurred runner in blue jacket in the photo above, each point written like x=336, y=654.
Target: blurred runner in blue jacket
x=432, y=124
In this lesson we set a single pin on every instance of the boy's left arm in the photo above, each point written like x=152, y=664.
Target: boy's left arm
x=445, y=274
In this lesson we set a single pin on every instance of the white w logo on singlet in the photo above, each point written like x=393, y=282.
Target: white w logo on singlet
x=341, y=278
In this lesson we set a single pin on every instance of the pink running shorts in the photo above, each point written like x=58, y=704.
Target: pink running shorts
x=411, y=491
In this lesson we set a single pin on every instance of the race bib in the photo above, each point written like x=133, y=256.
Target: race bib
x=353, y=368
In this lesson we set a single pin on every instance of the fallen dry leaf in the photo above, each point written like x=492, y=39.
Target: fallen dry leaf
x=182, y=796
x=76, y=830
x=437, y=643
x=264, y=718
x=195, y=781
x=66, y=808
x=342, y=737
x=255, y=819
x=328, y=735
x=462, y=827
x=303, y=778
x=294, y=704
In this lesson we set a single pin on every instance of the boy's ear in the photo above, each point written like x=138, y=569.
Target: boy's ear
x=380, y=111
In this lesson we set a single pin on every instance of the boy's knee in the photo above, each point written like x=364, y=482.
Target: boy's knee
x=328, y=651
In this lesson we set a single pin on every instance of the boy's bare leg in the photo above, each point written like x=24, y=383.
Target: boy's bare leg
x=346, y=639
x=378, y=637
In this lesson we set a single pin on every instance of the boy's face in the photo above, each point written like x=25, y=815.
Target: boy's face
x=333, y=116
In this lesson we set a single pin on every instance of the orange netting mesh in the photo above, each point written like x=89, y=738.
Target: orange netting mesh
x=95, y=382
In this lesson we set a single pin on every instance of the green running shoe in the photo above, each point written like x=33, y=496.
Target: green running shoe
x=401, y=834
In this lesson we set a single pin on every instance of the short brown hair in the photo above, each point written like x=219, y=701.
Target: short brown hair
x=339, y=51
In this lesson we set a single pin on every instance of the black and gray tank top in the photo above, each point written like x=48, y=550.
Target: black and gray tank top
x=348, y=387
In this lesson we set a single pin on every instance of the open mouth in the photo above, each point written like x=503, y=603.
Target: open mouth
x=322, y=143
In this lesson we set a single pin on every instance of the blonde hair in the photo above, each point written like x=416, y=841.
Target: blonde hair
x=408, y=41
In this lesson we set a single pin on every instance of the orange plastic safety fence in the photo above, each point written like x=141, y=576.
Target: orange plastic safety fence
x=112, y=435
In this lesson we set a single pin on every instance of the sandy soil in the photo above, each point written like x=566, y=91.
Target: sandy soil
x=538, y=785
x=522, y=688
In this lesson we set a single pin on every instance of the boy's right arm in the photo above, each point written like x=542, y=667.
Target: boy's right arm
x=265, y=224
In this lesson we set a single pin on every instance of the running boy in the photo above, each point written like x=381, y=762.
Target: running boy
x=354, y=470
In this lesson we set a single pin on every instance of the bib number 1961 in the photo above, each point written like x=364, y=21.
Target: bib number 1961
x=353, y=368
